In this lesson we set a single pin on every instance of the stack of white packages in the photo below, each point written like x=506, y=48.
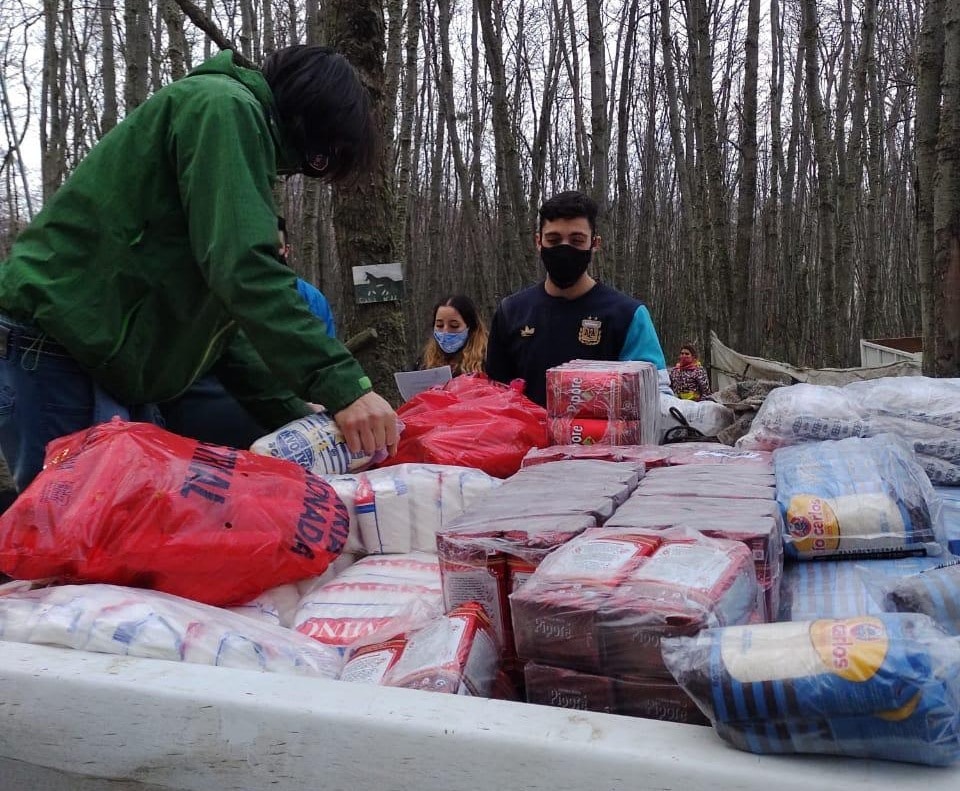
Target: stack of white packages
x=367, y=596
x=111, y=619
x=401, y=509
x=920, y=410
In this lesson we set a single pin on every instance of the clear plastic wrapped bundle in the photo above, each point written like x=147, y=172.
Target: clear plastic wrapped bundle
x=603, y=401
x=496, y=544
x=401, y=509
x=713, y=453
x=885, y=686
x=456, y=653
x=602, y=602
x=761, y=534
x=922, y=411
x=855, y=498
x=110, y=619
x=366, y=597
x=934, y=592
x=652, y=698
x=647, y=455
x=950, y=516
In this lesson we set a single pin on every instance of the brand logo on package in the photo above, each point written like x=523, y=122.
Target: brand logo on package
x=589, y=334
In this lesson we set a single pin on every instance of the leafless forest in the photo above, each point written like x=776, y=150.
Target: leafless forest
x=784, y=172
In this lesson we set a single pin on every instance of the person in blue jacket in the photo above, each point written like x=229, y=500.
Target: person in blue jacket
x=568, y=315
x=207, y=412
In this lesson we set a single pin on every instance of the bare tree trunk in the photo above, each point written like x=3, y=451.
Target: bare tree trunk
x=931, y=65
x=945, y=276
x=362, y=218
x=748, y=174
x=392, y=76
x=136, y=19
x=52, y=131
x=247, y=30
x=600, y=129
x=851, y=187
x=871, y=254
x=826, y=210
x=571, y=58
x=269, y=28
x=176, y=41
x=510, y=203
x=108, y=118
x=14, y=145
x=623, y=205
x=772, y=267
x=717, y=274
x=408, y=110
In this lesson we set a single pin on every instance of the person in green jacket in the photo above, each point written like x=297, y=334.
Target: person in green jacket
x=156, y=263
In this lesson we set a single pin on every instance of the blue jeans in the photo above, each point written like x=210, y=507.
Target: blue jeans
x=45, y=394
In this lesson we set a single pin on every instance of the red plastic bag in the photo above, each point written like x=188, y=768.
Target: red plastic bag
x=132, y=504
x=471, y=422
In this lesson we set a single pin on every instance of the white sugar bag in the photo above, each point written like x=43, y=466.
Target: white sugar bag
x=400, y=509
x=276, y=606
x=365, y=597
x=149, y=624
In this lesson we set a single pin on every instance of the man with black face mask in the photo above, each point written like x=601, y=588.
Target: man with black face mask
x=569, y=315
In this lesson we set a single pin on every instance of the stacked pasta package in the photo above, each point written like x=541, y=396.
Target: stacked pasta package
x=496, y=544
x=603, y=402
x=590, y=619
x=727, y=501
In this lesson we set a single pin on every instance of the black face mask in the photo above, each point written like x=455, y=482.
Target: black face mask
x=565, y=264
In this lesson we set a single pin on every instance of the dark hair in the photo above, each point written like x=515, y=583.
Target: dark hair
x=463, y=305
x=323, y=108
x=470, y=359
x=569, y=206
x=690, y=348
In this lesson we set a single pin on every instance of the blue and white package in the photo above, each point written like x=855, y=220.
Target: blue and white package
x=838, y=589
x=885, y=686
x=315, y=443
x=859, y=497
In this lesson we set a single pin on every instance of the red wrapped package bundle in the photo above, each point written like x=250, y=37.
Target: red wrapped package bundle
x=624, y=394
x=647, y=455
x=594, y=431
x=655, y=699
x=496, y=544
x=603, y=601
x=457, y=654
x=134, y=505
x=487, y=564
x=470, y=422
x=579, y=392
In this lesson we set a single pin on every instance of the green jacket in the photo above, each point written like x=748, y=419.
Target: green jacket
x=162, y=244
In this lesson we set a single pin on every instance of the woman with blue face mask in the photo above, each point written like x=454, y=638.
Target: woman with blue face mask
x=459, y=337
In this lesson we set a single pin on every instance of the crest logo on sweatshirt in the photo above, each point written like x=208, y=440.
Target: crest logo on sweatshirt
x=527, y=332
x=589, y=334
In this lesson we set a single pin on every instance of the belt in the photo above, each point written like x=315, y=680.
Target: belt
x=28, y=337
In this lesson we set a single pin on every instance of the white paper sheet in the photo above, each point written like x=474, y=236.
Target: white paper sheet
x=411, y=383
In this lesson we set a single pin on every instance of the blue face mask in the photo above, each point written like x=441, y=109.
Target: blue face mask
x=451, y=342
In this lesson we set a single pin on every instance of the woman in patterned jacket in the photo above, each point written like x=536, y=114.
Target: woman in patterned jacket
x=688, y=378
